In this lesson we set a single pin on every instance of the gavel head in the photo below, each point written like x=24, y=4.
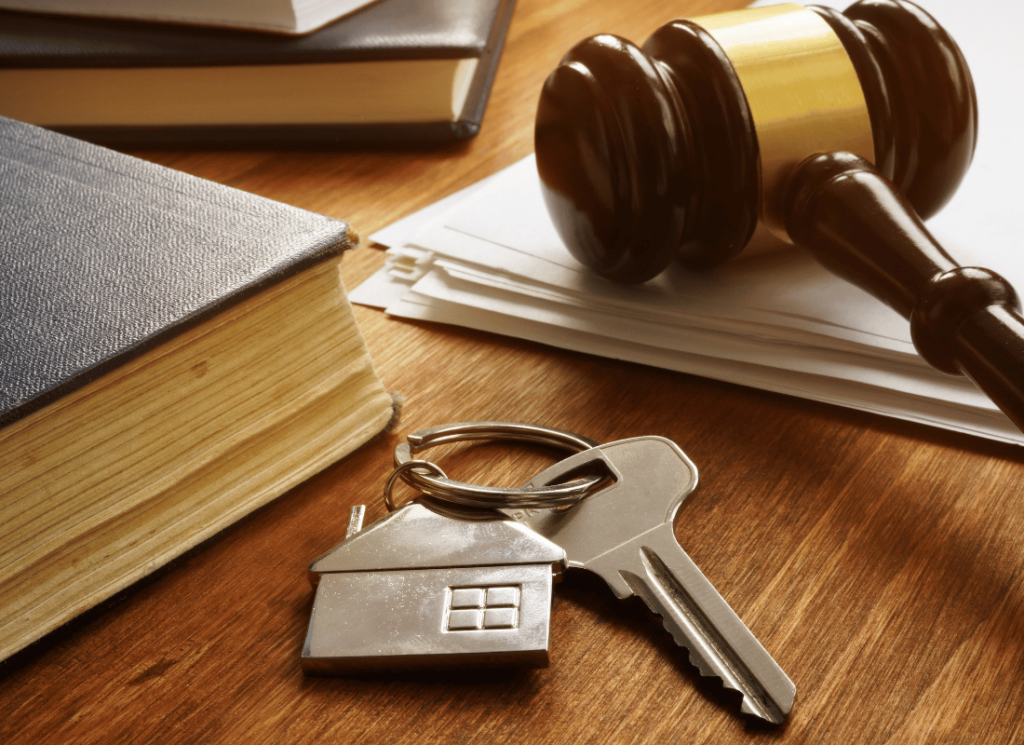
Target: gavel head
x=684, y=148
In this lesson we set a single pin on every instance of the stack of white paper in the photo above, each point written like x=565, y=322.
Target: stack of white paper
x=488, y=258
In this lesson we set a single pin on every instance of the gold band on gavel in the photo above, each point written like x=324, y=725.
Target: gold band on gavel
x=802, y=90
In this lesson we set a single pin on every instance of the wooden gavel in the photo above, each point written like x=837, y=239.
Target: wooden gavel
x=838, y=132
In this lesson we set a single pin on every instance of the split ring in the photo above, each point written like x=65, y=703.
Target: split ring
x=399, y=470
x=439, y=486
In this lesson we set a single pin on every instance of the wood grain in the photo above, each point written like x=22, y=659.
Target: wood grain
x=879, y=561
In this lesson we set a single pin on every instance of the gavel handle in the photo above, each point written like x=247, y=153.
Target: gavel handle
x=963, y=320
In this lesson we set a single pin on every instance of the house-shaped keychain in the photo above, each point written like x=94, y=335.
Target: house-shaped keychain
x=420, y=588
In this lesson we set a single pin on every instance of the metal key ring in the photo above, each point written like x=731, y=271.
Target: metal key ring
x=441, y=487
x=400, y=470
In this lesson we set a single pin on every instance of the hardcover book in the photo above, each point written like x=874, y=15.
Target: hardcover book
x=277, y=16
x=396, y=70
x=175, y=353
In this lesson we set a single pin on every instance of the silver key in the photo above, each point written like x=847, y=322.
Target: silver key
x=624, y=533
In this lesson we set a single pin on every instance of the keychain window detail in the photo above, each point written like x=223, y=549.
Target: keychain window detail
x=483, y=608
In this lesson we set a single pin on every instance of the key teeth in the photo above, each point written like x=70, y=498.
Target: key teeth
x=695, y=659
x=747, y=705
x=680, y=639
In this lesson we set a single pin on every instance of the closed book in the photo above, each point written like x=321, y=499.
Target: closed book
x=394, y=71
x=175, y=354
x=276, y=16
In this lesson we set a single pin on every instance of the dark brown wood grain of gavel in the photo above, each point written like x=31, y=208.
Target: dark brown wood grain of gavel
x=836, y=131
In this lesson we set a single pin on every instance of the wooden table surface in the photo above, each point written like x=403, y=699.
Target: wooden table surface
x=879, y=562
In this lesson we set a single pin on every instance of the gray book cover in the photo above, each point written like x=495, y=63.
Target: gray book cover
x=106, y=256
